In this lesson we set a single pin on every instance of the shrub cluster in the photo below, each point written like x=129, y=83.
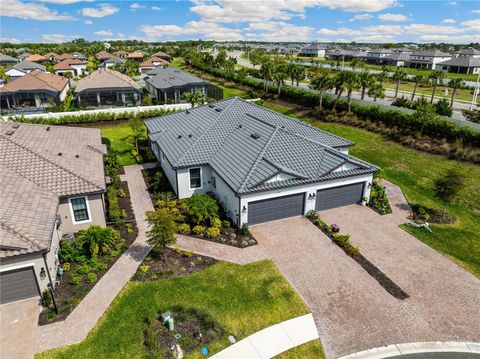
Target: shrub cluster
x=441, y=107
x=379, y=199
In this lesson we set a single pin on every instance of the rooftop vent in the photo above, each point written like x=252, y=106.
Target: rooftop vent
x=77, y=156
x=179, y=136
x=48, y=128
x=218, y=109
x=10, y=132
x=240, y=126
x=187, y=112
x=211, y=105
x=16, y=125
x=255, y=135
x=59, y=153
x=190, y=136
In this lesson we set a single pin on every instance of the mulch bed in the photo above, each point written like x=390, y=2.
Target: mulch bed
x=229, y=237
x=171, y=264
x=436, y=215
x=67, y=296
x=195, y=329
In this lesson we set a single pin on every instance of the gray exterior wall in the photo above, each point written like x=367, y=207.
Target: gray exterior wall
x=96, y=208
x=226, y=197
x=183, y=180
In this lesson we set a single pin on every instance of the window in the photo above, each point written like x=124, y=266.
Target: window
x=79, y=208
x=195, y=178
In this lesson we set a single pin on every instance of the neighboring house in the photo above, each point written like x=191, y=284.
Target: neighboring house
x=35, y=89
x=136, y=56
x=151, y=63
x=312, y=50
x=105, y=87
x=427, y=59
x=377, y=56
x=401, y=50
x=23, y=68
x=79, y=55
x=396, y=59
x=260, y=165
x=460, y=65
x=75, y=66
x=162, y=55
x=121, y=54
x=52, y=184
x=103, y=55
x=468, y=52
x=36, y=58
x=7, y=61
x=112, y=61
x=23, y=56
x=50, y=56
x=168, y=85
x=65, y=56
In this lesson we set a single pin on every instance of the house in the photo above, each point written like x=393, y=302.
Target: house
x=75, y=66
x=427, y=59
x=136, y=56
x=312, y=50
x=105, y=87
x=460, y=65
x=112, y=61
x=468, y=52
x=396, y=59
x=376, y=56
x=35, y=89
x=401, y=50
x=53, y=185
x=79, y=55
x=151, y=63
x=64, y=56
x=260, y=165
x=7, y=61
x=103, y=55
x=50, y=56
x=121, y=54
x=36, y=58
x=162, y=55
x=23, y=68
x=23, y=56
x=168, y=85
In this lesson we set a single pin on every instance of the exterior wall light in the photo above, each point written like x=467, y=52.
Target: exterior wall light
x=244, y=209
x=43, y=274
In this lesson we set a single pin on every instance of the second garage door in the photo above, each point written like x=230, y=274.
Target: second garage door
x=275, y=208
x=18, y=284
x=339, y=196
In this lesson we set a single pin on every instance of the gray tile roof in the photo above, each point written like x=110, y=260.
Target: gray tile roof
x=113, y=60
x=462, y=62
x=7, y=58
x=106, y=78
x=37, y=167
x=29, y=65
x=431, y=53
x=220, y=135
x=168, y=77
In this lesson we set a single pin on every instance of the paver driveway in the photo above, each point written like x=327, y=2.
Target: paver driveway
x=352, y=311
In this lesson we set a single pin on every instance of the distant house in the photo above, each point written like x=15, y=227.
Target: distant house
x=460, y=65
x=312, y=50
x=64, y=56
x=103, y=55
x=35, y=89
x=36, y=58
x=7, y=61
x=52, y=184
x=136, y=56
x=427, y=59
x=74, y=66
x=23, y=56
x=151, y=63
x=106, y=87
x=169, y=84
x=376, y=56
x=112, y=61
x=50, y=56
x=23, y=68
x=401, y=50
x=396, y=59
x=162, y=55
x=79, y=55
x=121, y=54
x=468, y=52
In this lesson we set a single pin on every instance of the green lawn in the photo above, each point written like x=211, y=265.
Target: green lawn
x=242, y=299
x=119, y=134
x=414, y=172
x=308, y=350
x=462, y=94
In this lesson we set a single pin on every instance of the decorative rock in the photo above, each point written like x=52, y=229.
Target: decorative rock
x=232, y=339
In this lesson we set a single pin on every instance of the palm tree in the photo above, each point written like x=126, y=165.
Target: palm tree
x=455, y=84
x=298, y=74
x=339, y=81
x=321, y=83
x=266, y=69
x=417, y=79
x=435, y=77
x=194, y=97
x=351, y=83
x=279, y=74
x=399, y=75
x=366, y=79
x=376, y=90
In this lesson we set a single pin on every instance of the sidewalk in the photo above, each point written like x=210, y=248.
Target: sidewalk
x=273, y=340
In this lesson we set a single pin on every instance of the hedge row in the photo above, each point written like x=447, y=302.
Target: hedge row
x=434, y=126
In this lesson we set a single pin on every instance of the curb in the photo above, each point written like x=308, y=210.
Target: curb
x=411, y=348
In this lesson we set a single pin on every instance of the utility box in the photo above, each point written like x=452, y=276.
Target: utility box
x=166, y=316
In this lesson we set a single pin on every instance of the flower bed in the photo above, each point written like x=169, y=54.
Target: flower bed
x=431, y=215
x=379, y=199
x=171, y=263
x=343, y=241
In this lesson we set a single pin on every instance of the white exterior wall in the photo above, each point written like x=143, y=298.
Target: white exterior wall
x=183, y=180
x=167, y=168
x=14, y=73
x=80, y=69
x=308, y=189
x=226, y=197
x=64, y=92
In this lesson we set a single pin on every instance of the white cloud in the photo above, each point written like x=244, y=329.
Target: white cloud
x=393, y=17
x=475, y=11
x=448, y=21
x=156, y=8
x=473, y=25
x=62, y=1
x=136, y=6
x=361, y=17
x=203, y=29
x=460, y=39
x=419, y=29
x=58, y=38
x=278, y=31
x=102, y=11
x=88, y=22
x=31, y=11
x=11, y=40
x=104, y=33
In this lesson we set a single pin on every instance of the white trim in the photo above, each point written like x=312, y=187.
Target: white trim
x=73, y=214
x=6, y=268
x=190, y=182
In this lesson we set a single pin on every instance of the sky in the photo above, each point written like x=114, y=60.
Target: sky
x=232, y=20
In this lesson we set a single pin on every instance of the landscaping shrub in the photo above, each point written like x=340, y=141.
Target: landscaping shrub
x=68, y=252
x=244, y=230
x=47, y=299
x=75, y=279
x=472, y=115
x=97, y=240
x=198, y=229
x=226, y=223
x=162, y=229
x=212, y=232
x=312, y=215
x=216, y=222
x=442, y=107
x=183, y=228
x=202, y=208
x=379, y=199
x=114, y=212
x=91, y=278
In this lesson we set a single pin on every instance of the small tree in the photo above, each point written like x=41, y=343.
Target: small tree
x=447, y=187
x=97, y=240
x=194, y=98
x=162, y=229
x=138, y=130
x=202, y=208
x=443, y=108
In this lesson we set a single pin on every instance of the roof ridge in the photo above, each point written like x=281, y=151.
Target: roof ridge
x=204, y=132
x=20, y=234
x=52, y=162
x=258, y=159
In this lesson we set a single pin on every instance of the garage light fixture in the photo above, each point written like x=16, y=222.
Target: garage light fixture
x=244, y=209
x=311, y=195
x=43, y=274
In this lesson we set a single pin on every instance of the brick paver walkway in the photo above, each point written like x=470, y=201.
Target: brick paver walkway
x=351, y=310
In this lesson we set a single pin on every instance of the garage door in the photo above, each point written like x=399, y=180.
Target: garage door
x=275, y=208
x=18, y=284
x=339, y=196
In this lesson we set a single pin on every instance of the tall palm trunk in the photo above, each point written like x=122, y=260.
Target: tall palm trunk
x=414, y=91
x=349, y=96
x=433, y=91
x=321, y=101
x=337, y=99
x=398, y=86
x=454, y=92
x=363, y=91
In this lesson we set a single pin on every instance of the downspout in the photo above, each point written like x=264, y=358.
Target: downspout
x=50, y=284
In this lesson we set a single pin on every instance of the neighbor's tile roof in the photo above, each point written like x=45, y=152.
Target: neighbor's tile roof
x=29, y=65
x=135, y=55
x=462, y=62
x=220, y=135
x=113, y=60
x=66, y=64
x=35, y=58
x=161, y=54
x=5, y=58
x=64, y=56
x=103, y=55
x=168, y=77
x=36, y=80
x=38, y=165
x=105, y=78
x=431, y=53
x=152, y=60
